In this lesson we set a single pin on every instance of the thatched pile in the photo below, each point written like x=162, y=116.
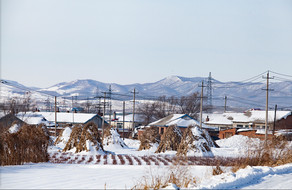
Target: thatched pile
x=46, y=131
x=74, y=139
x=149, y=137
x=196, y=140
x=170, y=139
x=112, y=137
x=85, y=138
x=28, y=144
x=63, y=137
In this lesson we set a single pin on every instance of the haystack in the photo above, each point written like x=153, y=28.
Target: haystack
x=90, y=139
x=170, y=139
x=46, y=132
x=149, y=137
x=196, y=141
x=28, y=144
x=74, y=139
x=85, y=138
x=112, y=137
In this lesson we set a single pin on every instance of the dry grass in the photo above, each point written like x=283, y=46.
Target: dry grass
x=149, y=137
x=217, y=170
x=90, y=132
x=81, y=135
x=74, y=138
x=191, y=142
x=29, y=144
x=170, y=139
x=274, y=153
x=176, y=174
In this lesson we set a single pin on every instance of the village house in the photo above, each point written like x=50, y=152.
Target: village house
x=117, y=121
x=180, y=120
x=253, y=133
x=251, y=123
x=253, y=119
x=24, y=118
x=34, y=118
x=48, y=119
x=65, y=118
x=6, y=121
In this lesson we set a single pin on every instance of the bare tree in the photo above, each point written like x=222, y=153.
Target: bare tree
x=164, y=106
x=190, y=104
x=148, y=111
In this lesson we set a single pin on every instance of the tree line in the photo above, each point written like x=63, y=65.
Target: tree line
x=164, y=106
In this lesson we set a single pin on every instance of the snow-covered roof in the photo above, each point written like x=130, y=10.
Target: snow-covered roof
x=180, y=120
x=229, y=118
x=64, y=117
x=32, y=118
x=260, y=116
x=129, y=118
x=216, y=118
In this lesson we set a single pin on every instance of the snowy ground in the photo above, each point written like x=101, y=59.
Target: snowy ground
x=95, y=171
x=80, y=176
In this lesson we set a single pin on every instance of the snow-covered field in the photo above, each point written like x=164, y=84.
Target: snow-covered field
x=95, y=171
x=80, y=176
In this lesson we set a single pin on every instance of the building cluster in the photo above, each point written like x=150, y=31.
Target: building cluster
x=219, y=125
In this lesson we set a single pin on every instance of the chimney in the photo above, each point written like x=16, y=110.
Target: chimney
x=115, y=115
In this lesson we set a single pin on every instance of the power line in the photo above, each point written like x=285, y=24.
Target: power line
x=281, y=74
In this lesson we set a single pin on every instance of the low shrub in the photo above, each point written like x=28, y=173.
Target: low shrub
x=176, y=174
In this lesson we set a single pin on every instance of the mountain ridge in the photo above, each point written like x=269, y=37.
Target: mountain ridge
x=239, y=93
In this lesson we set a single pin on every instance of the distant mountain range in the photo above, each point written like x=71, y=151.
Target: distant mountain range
x=247, y=95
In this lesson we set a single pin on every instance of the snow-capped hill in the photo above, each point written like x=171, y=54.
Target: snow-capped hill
x=84, y=87
x=170, y=80
x=238, y=93
x=179, y=80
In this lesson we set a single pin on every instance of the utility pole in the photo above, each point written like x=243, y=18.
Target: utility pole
x=201, y=104
x=87, y=104
x=72, y=110
x=133, y=121
x=110, y=106
x=104, y=97
x=55, y=116
x=124, y=119
x=267, y=106
x=275, y=116
x=225, y=98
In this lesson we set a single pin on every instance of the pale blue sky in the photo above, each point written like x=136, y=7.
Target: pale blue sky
x=44, y=42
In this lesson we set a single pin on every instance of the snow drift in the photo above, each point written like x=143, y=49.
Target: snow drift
x=112, y=137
